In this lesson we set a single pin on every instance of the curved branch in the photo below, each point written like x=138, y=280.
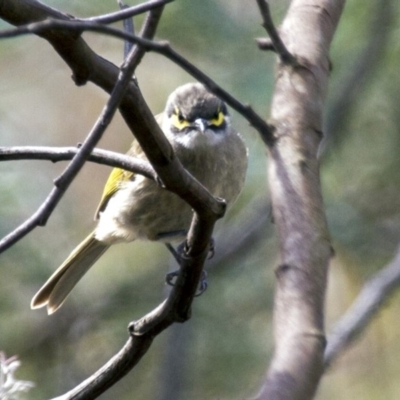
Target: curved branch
x=115, y=369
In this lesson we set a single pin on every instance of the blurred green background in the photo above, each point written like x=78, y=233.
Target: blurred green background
x=224, y=350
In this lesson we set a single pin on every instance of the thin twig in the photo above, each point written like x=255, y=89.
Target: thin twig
x=129, y=26
x=56, y=154
x=163, y=48
x=285, y=56
x=127, y=12
x=373, y=295
x=265, y=44
x=147, y=31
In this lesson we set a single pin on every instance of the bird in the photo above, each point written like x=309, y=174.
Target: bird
x=132, y=207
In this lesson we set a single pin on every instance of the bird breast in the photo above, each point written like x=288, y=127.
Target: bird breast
x=141, y=209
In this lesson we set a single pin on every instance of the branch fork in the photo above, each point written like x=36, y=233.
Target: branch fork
x=274, y=42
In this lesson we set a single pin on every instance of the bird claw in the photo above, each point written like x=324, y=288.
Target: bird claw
x=203, y=285
x=170, y=279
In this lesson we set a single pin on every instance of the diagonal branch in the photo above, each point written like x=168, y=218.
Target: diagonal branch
x=369, y=301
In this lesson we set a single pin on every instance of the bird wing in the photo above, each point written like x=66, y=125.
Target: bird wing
x=117, y=176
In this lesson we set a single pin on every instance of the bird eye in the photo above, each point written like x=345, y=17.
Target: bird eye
x=178, y=121
x=218, y=119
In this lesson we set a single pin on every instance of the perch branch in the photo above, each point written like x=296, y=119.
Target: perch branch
x=133, y=108
x=87, y=65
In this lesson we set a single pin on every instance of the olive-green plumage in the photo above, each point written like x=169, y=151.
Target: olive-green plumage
x=133, y=207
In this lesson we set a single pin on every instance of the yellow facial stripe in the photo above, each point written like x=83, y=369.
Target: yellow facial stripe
x=178, y=122
x=218, y=120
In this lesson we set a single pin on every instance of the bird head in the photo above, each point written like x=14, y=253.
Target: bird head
x=194, y=115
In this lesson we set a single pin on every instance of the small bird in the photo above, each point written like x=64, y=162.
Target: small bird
x=132, y=207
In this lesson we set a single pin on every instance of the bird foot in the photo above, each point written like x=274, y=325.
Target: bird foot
x=171, y=277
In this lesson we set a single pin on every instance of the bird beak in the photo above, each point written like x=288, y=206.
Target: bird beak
x=201, y=124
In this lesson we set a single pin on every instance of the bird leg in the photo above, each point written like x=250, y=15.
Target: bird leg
x=170, y=278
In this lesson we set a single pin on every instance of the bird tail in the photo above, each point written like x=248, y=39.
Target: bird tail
x=54, y=292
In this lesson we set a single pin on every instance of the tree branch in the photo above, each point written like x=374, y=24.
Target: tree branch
x=115, y=369
x=127, y=12
x=61, y=184
x=265, y=44
x=148, y=31
x=40, y=217
x=87, y=65
x=297, y=205
x=56, y=154
x=275, y=40
x=162, y=48
x=373, y=295
x=129, y=27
